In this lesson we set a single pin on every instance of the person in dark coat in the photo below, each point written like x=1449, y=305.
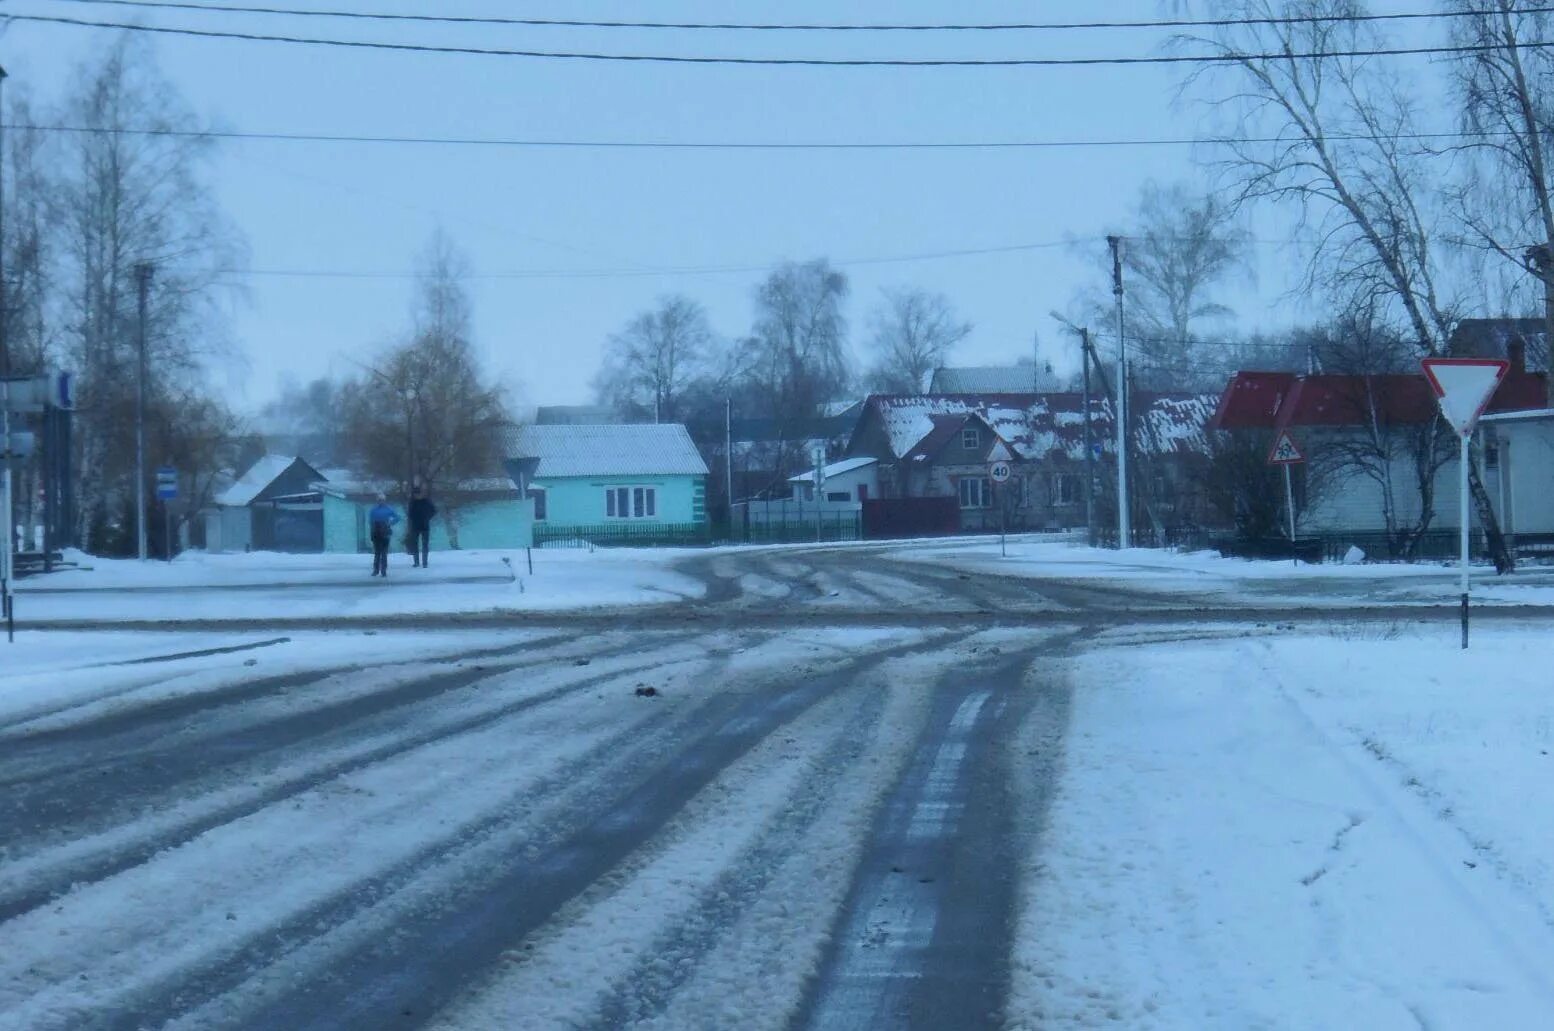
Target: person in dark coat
x=381, y=522
x=421, y=512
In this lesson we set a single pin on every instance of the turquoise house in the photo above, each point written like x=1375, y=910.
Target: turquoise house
x=478, y=515
x=633, y=484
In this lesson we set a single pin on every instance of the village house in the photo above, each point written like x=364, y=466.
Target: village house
x=611, y=483
x=941, y=445
x=1362, y=437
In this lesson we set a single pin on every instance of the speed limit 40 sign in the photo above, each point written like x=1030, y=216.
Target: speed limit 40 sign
x=999, y=472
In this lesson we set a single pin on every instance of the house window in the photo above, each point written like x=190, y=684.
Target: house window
x=1491, y=457
x=631, y=502
x=537, y=495
x=1064, y=488
x=971, y=438
x=838, y=495
x=975, y=492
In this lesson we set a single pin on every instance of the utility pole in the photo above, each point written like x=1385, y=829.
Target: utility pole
x=142, y=288
x=728, y=460
x=1124, y=523
x=1084, y=360
x=6, y=511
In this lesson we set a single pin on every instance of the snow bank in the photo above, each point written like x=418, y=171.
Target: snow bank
x=1316, y=832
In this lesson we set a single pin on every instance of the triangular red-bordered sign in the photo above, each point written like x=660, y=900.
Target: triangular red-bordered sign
x=1463, y=387
x=1285, y=451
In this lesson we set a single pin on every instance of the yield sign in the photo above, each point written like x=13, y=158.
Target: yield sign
x=1284, y=451
x=1463, y=386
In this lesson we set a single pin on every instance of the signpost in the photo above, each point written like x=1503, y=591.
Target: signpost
x=1463, y=387
x=998, y=471
x=167, y=490
x=820, y=485
x=1285, y=453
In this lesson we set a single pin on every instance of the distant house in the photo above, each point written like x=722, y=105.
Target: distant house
x=272, y=506
x=768, y=451
x=1335, y=419
x=991, y=379
x=851, y=479
x=941, y=446
x=476, y=515
x=611, y=482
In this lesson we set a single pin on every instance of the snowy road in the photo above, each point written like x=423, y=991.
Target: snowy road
x=712, y=822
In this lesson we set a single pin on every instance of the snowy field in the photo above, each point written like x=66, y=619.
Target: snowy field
x=1207, y=576
x=256, y=585
x=1310, y=832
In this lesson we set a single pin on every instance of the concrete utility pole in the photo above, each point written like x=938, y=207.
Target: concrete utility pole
x=728, y=459
x=6, y=509
x=1124, y=522
x=142, y=288
x=1084, y=361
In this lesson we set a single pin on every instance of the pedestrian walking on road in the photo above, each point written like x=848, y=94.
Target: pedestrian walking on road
x=381, y=520
x=421, y=512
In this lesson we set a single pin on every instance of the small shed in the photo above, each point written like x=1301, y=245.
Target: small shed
x=272, y=506
x=851, y=479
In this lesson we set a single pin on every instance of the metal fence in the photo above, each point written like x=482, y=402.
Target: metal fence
x=623, y=535
x=828, y=526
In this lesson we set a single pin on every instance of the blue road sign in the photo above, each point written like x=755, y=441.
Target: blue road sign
x=166, y=483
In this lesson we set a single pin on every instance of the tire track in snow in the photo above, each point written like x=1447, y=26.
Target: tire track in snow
x=923, y=940
x=642, y=927
x=499, y=902
x=238, y=692
x=184, y=966
x=22, y=894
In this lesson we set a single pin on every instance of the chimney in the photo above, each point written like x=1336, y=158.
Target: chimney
x=1516, y=351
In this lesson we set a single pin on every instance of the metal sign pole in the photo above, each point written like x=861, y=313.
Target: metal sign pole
x=1463, y=516
x=1003, y=522
x=1289, y=501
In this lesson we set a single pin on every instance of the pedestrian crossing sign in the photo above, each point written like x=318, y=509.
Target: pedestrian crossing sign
x=1284, y=451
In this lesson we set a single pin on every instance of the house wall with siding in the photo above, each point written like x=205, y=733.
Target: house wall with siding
x=496, y=524
x=1352, y=501
x=1527, y=460
x=580, y=500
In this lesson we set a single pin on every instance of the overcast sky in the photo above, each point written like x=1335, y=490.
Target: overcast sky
x=590, y=231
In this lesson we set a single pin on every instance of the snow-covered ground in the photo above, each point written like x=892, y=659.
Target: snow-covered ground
x=1300, y=832
x=259, y=585
x=1208, y=576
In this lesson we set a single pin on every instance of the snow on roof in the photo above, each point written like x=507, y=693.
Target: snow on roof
x=259, y=476
x=984, y=379
x=661, y=449
x=846, y=465
x=1036, y=426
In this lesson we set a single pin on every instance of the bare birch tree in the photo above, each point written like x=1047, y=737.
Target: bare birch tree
x=424, y=411
x=650, y=365
x=1345, y=160
x=120, y=199
x=1507, y=204
x=913, y=331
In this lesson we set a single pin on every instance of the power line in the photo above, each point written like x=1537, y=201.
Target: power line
x=490, y=141
x=1230, y=57
x=629, y=273
x=445, y=19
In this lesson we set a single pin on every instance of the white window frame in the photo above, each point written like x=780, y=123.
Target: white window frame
x=632, y=503
x=983, y=490
x=971, y=438
x=1057, y=492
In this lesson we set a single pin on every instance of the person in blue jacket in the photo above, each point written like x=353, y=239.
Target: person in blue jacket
x=381, y=520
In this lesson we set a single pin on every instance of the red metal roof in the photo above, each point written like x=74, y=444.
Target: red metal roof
x=1279, y=400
